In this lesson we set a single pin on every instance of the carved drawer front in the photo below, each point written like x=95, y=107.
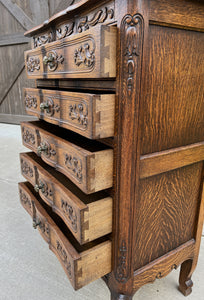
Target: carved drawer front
x=82, y=264
x=89, y=54
x=88, y=164
x=26, y=197
x=90, y=115
x=79, y=211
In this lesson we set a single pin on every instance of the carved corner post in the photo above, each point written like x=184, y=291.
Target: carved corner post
x=133, y=25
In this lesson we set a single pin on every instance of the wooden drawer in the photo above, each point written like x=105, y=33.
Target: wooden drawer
x=89, y=54
x=82, y=264
x=79, y=211
x=89, y=164
x=90, y=115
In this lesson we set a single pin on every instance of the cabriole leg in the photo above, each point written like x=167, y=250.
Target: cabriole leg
x=185, y=282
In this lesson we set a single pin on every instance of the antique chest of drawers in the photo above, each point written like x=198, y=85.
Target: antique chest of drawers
x=114, y=182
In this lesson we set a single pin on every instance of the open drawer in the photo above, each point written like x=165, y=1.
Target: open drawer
x=82, y=264
x=80, y=212
x=88, y=164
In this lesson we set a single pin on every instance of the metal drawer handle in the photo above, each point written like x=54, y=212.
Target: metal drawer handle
x=49, y=59
x=42, y=148
x=44, y=106
x=39, y=187
x=52, y=60
x=36, y=224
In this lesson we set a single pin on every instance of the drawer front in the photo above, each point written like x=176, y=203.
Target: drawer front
x=79, y=211
x=90, y=115
x=89, y=54
x=90, y=171
x=83, y=265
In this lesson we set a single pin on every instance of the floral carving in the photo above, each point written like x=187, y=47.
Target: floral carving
x=28, y=137
x=25, y=200
x=43, y=39
x=30, y=101
x=133, y=41
x=99, y=17
x=26, y=169
x=64, y=30
x=63, y=255
x=79, y=113
x=83, y=55
x=121, y=274
x=44, y=228
x=71, y=213
x=33, y=63
x=74, y=165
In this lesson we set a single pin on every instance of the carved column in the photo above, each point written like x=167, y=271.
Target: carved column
x=133, y=28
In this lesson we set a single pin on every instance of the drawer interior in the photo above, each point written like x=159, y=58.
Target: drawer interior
x=68, y=183
x=78, y=140
x=62, y=226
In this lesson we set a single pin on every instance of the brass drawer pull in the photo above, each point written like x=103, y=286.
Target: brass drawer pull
x=44, y=106
x=52, y=60
x=36, y=224
x=39, y=187
x=42, y=148
x=49, y=59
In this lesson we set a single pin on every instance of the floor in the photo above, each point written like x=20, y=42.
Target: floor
x=29, y=270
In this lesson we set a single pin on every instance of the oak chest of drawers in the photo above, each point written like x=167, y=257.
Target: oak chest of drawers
x=115, y=177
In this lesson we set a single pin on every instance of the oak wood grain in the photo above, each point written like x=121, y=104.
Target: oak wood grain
x=91, y=115
x=167, y=212
x=88, y=164
x=164, y=161
x=88, y=54
x=79, y=211
x=81, y=264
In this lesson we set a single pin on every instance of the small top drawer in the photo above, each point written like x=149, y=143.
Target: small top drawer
x=88, y=164
x=91, y=54
x=91, y=115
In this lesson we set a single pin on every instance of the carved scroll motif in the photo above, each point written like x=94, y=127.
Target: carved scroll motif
x=84, y=55
x=25, y=200
x=43, y=39
x=28, y=137
x=74, y=165
x=99, y=17
x=33, y=63
x=44, y=228
x=79, y=113
x=133, y=41
x=30, y=101
x=64, y=30
x=63, y=256
x=26, y=169
x=71, y=213
x=121, y=274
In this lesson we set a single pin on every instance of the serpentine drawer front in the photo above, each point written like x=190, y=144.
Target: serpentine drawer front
x=91, y=115
x=89, y=54
x=88, y=164
x=82, y=264
x=79, y=211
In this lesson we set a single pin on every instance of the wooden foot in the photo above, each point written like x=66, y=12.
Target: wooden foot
x=185, y=282
x=120, y=297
